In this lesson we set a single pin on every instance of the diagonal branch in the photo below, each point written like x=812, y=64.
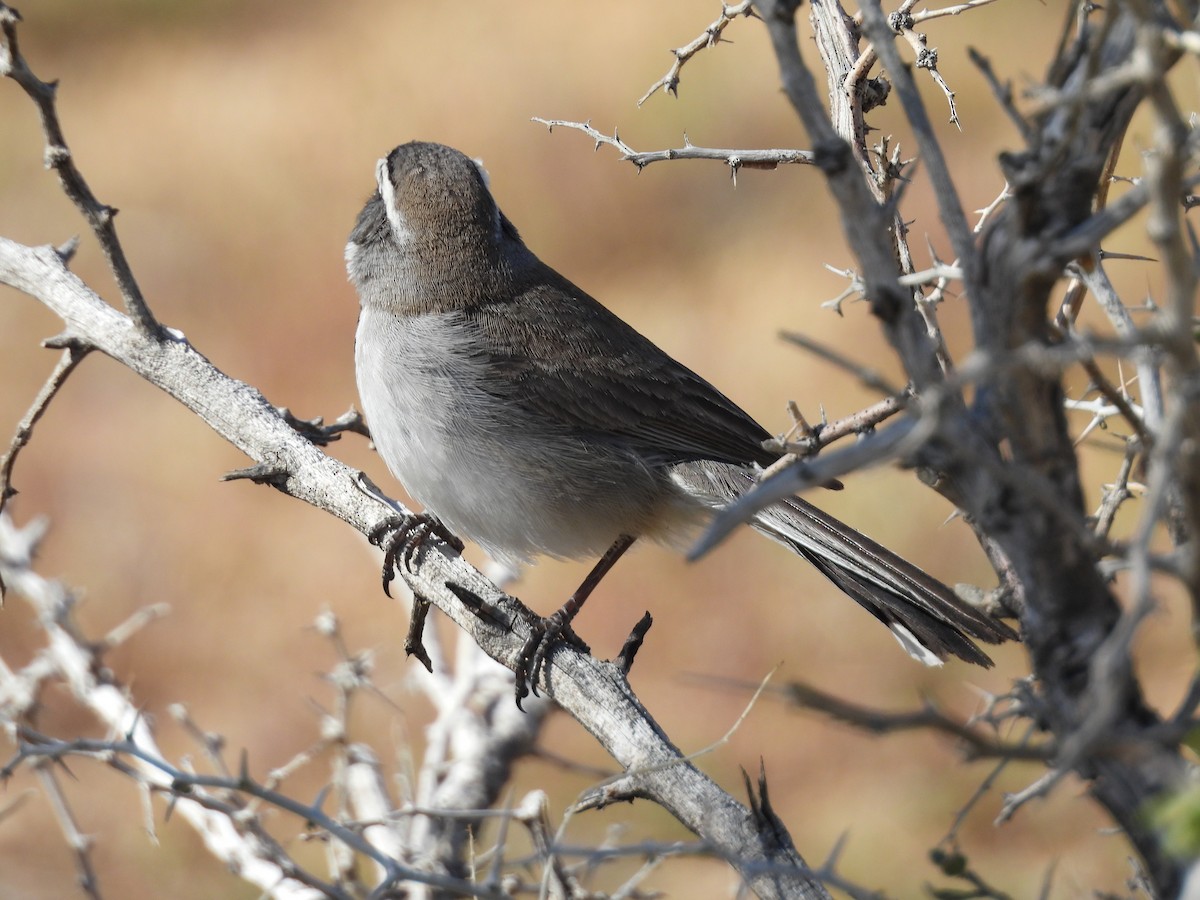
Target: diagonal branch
x=71, y=357
x=710, y=37
x=594, y=692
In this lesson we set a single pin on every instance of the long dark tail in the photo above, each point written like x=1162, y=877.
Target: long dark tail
x=914, y=605
x=928, y=619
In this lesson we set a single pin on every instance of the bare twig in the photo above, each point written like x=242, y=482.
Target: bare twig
x=829, y=874
x=1002, y=92
x=854, y=289
x=946, y=192
x=930, y=14
x=813, y=440
x=59, y=158
x=928, y=718
x=210, y=742
x=988, y=782
x=138, y=620
x=867, y=376
x=1038, y=788
x=901, y=21
x=987, y=211
x=710, y=37
x=734, y=159
x=70, y=358
x=1116, y=493
x=80, y=844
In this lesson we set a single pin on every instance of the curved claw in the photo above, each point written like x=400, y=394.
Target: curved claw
x=403, y=537
x=529, y=661
x=544, y=635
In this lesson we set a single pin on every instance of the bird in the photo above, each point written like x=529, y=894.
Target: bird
x=527, y=417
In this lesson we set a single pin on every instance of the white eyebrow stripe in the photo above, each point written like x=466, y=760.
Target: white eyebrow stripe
x=487, y=179
x=400, y=230
x=497, y=227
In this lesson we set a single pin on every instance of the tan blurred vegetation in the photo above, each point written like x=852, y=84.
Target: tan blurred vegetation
x=238, y=141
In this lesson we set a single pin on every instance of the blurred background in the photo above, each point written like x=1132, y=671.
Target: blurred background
x=238, y=141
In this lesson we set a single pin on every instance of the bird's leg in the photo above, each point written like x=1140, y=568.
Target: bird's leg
x=403, y=536
x=547, y=631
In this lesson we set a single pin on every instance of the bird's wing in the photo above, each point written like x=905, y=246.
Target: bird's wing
x=595, y=376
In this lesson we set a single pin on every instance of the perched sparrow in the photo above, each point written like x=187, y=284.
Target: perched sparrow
x=528, y=418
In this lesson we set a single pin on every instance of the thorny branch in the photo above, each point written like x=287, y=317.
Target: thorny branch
x=710, y=37
x=734, y=159
x=803, y=439
x=977, y=743
x=71, y=357
x=80, y=844
x=59, y=158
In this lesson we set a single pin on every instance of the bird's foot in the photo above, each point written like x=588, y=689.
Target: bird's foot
x=402, y=537
x=544, y=635
x=547, y=632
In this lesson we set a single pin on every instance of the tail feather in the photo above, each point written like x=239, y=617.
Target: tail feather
x=906, y=599
x=938, y=638
x=931, y=622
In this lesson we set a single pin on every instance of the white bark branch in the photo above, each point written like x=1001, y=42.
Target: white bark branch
x=595, y=693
